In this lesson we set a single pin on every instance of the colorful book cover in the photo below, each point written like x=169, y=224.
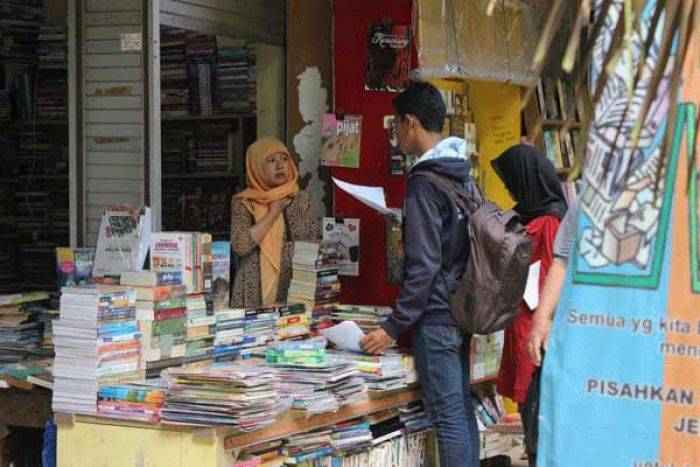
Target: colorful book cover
x=122, y=244
x=221, y=274
x=346, y=234
x=340, y=140
x=170, y=253
x=74, y=265
x=388, y=57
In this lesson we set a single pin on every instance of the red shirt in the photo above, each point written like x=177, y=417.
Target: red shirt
x=516, y=370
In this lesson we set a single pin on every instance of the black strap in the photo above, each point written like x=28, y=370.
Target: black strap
x=467, y=202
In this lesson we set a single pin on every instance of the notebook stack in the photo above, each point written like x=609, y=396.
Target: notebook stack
x=161, y=313
x=380, y=372
x=201, y=328
x=96, y=343
x=315, y=281
x=185, y=253
x=230, y=334
x=315, y=382
x=259, y=329
x=200, y=50
x=293, y=323
x=236, y=76
x=173, y=73
x=130, y=402
x=367, y=317
x=52, y=85
x=241, y=396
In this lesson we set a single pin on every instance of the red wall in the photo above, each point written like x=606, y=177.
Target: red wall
x=351, y=22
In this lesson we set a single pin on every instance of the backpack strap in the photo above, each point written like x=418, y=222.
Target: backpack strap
x=468, y=203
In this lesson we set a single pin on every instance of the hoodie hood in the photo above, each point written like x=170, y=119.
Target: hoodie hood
x=448, y=158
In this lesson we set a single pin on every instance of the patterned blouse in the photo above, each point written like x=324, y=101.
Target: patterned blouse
x=302, y=225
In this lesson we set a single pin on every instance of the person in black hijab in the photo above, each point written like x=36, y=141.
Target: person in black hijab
x=532, y=182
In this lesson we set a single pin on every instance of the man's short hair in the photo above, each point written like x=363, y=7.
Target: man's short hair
x=424, y=101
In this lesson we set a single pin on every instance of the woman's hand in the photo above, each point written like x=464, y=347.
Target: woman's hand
x=279, y=205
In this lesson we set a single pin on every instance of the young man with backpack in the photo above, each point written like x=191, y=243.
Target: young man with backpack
x=436, y=247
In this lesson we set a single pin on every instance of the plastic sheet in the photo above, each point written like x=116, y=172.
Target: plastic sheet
x=458, y=39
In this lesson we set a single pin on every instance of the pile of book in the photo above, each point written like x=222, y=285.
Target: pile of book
x=21, y=328
x=187, y=254
x=52, y=86
x=351, y=436
x=293, y=322
x=24, y=374
x=259, y=329
x=413, y=417
x=201, y=328
x=230, y=333
x=380, y=372
x=131, y=402
x=173, y=74
x=315, y=281
x=20, y=26
x=367, y=317
x=236, y=76
x=314, y=381
x=200, y=50
x=162, y=316
x=210, y=152
x=241, y=396
x=96, y=343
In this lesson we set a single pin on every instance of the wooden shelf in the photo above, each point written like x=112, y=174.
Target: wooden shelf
x=561, y=123
x=205, y=118
x=289, y=425
x=203, y=175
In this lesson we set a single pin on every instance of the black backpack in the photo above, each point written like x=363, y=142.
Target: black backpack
x=492, y=287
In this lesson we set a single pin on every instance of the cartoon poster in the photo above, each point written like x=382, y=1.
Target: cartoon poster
x=340, y=140
x=621, y=378
x=346, y=234
x=388, y=57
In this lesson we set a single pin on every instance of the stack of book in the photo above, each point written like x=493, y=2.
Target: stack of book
x=315, y=281
x=185, y=253
x=177, y=147
x=20, y=26
x=52, y=86
x=130, y=402
x=380, y=372
x=5, y=106
x=21, y=330
x=37, y=372
x=413, y=417
x=210, y=153
x=293, y=322
x=173, y=73
x=96, y=343
x=367, y=317
x=242, y=396
x=200, y=50
x=236, y=75
x=259, y=329
x=230, y=334
x=305, y=448
x=201, y=328
x=314, y=381
x=161, y=313
x=350, y=437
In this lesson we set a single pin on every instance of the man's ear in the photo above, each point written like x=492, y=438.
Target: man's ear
x=413, y=122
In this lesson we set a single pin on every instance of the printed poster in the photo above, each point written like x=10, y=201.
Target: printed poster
x=340, y=140
x=388, y=57
x=621, y=378
x=345, y=232
x=399, y=163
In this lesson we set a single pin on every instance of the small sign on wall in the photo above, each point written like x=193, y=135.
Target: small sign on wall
x=131, y=42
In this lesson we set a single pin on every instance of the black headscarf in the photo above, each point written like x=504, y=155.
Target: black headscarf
x=533, y=182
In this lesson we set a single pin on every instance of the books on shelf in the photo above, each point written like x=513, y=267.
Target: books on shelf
x=22, y=330
x=96, y=342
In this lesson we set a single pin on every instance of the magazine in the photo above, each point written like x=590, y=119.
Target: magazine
x=340, y=140
x=345, y=233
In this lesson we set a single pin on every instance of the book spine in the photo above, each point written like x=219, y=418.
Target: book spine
x=168, y=292
x=170, y=313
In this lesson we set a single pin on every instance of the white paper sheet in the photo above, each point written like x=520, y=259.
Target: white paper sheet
x=532, y=288
x=372, y=196
x=346, y=336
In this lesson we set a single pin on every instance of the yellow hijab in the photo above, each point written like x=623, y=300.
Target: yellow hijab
x=257, y=198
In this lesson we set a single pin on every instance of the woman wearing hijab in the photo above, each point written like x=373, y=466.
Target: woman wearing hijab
x=532, y=182
x=266, y=219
